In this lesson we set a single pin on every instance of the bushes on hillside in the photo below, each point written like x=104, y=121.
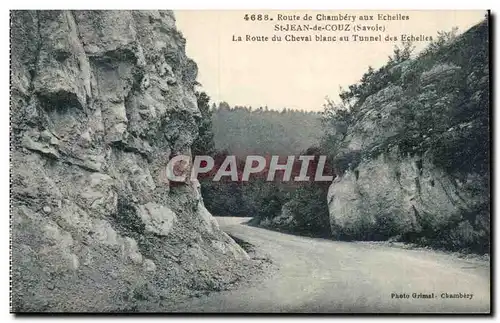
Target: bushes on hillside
x=442, y=114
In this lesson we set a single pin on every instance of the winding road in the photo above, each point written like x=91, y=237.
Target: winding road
x=324, y=276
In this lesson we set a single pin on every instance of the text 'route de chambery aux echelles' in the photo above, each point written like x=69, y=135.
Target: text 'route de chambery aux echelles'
x=347, y=24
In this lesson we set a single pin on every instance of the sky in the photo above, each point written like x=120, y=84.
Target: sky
x=298, y=75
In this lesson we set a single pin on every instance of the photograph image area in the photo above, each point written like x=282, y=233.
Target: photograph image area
x=250, y=161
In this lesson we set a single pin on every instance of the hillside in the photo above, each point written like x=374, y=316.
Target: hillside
x=413, y=156
x=242, y=131
x=100, y=101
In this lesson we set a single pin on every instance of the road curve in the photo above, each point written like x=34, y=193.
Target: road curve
x=324, y=276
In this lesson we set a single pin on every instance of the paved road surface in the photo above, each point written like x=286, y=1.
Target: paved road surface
x=317, y=275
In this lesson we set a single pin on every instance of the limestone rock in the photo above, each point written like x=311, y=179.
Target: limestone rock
x=100, y=102
x=157, y=218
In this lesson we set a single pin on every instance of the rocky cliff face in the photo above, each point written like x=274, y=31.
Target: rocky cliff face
x=416, y=154
x=100, y=101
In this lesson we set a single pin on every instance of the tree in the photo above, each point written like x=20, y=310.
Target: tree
x=444, y=38
x=204, y=144
x=335, y=119
x=224, y=106
x=402, y=53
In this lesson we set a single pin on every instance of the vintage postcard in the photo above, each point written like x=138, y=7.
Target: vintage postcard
x=250, y=161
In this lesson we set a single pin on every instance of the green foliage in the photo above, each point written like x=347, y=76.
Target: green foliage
x=308, y=207
x=458, y=95
x=266, y=198
x=401, y=54
x=374, y=80
x=257, y=198
x=335, y=120
x=204, y=144
x=245, y=131
x=443, y=113
x=443, y=39
x=223, y=198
